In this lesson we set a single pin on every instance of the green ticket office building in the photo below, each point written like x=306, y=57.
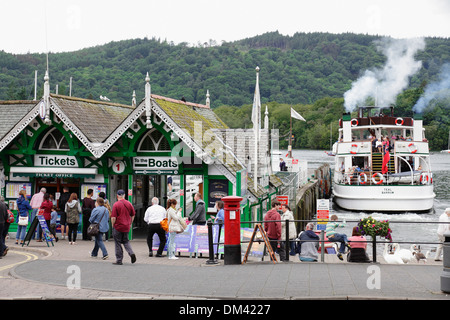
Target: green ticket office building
x=156, y=148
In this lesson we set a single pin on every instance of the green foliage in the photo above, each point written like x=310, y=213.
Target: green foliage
x=308, y=71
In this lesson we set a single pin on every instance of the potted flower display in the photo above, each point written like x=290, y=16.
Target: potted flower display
x=371, y=227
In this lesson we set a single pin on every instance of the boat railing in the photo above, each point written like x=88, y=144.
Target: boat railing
x=373, y=178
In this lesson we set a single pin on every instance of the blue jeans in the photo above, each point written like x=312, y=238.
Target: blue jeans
x=171, y=247
x=21, y=232
x=342, y=238
x=99, y=245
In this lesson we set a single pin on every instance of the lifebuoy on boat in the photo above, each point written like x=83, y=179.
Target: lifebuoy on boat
x=354, y=122
x=380, y=176
x=354, y=149
x=412, y=148
x=399, y=121
x=362, y=179
x=424, y=178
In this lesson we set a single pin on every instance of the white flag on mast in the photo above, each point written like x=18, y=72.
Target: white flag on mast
x=256, y=110
x=295, y=115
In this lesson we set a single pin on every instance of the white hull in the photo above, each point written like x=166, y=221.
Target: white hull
x=391, y=198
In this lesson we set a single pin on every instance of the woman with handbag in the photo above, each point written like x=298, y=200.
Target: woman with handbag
x=100, y=216
x=174, y=217
x=22, y=216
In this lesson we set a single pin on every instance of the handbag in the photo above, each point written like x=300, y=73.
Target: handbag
x=23, y=221
x=164, y=224
x=94, y=228
x=182, y=221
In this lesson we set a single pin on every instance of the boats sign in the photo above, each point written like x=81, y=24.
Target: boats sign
x=159, y=165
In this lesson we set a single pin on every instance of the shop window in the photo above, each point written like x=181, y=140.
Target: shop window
x=153, y=141
x=54, y=140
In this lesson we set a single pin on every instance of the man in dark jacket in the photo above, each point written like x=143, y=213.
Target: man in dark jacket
x=87, y=206
x=273, y=229
x=62, y=205
x=199, y=215
x=3, y=218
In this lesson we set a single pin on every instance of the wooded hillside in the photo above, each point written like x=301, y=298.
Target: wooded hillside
x=309, y=71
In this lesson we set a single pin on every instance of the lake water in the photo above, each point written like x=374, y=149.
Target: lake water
x=423, y=231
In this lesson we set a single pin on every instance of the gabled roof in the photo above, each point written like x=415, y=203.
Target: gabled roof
x=96, y=119
x=11, y=112
x=14, y=117
x=185, y=114
x=99, y=124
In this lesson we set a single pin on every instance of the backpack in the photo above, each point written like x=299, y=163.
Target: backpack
x=72, y=214
x=10, y=217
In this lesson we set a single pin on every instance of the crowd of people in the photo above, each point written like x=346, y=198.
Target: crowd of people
x=306, y=243
x=119, y=220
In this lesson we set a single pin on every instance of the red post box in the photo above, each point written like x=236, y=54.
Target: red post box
x=232, y=229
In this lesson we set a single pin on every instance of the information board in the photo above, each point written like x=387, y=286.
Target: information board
x=323, y=213
x=38, y=220
x=283, y=199
x=13, y=189
x=218, y=188
x=97, y=188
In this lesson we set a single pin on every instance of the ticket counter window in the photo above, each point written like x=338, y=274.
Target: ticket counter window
x=55, y=186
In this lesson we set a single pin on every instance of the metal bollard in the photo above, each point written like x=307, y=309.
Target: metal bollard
x=322, y=245
x=211, y=259
x=445, y=276
x=374, y=249
x=288, y=244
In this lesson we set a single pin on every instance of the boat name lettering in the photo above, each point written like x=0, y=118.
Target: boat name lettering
x=387, y=191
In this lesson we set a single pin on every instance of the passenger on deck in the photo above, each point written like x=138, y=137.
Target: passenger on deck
x=378, y=145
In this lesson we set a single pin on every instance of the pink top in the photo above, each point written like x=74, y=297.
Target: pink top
x=357, y=242
x=36, y=200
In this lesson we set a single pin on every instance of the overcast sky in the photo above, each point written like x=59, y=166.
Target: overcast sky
x=55, y=25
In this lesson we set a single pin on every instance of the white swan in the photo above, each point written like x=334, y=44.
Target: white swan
x=405, y=254
x=391, y=258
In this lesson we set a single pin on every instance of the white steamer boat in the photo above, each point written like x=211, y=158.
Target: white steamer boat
x=366, y=179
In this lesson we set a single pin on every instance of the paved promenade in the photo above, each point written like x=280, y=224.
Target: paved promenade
x=68, y=272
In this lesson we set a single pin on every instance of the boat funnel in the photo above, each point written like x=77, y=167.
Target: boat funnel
x=346, y=116
x=346, y=127
x=418, y=127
